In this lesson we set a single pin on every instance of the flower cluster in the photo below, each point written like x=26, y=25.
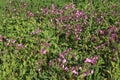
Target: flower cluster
x=93, y=60
x=35, y=32
x=61, y=18
x=58, y=39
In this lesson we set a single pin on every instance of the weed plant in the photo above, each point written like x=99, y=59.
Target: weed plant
x=60, y=40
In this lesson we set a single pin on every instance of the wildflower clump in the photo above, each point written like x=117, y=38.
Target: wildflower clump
x=63, y=40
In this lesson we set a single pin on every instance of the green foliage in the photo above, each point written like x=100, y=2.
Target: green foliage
x=38, y=44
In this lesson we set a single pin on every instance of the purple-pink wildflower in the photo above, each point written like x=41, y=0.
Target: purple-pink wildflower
x=66, y=6
x=77, y=30
x=114, y=59
x=63, y=66
x=59, y=59
x=87, y=73
x=101, y=32
x=43, y=51
x=84, y=74
x=111, y=29
x=35, y=32
x=85, y=16
x=30, y=14
x=50, y=63
x=113, y=36
x=32, y=33
x=79, y=67
x=100, y=46
x=46, y=11
x=75, y=72
x=91, y=71
x=73, y=6
x=25, y=46
x=24, y=5
x=98, y=20
x=14, y=40
x=62, y=54
x=93, y=60
x=38, y=31
x=19, y=46
x=79, y=13
x=59, y=11
x=53, y=7
x=66, y=68
x=8, y=42
x=64, y=61
x=46, y=44
x=39, y=70
x=87, y=60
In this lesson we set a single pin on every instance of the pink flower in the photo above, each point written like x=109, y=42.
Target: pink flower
x=19, y=46
x=75, y=72
x=46, y=44
x=66, y=69
x=32, y=33
x=113, y=36
x=79, y=67
x=61, y=55
x=111, y=29
x=41, y=9
x=53, y=7
x=35, y=32
x=101, y=32
x=37, y=63
x=85, y=17
x=24, y=5
x=114, y=59
x=43, y=51
x=98, y=20
x=14, y=40
x=30, y=14
x=78, y=13
x=92, y=60
x=25, y=46
x=73, y=68
x=50, y=63
x=63, y=66
x=46, y=11
x=38, y=31
x=64, y=61
x=91, y=71
x=100, y=46
x=73, y=6
x=85, y=74
x=87, y=60
x=59, y=59
x=66, y=7
x=8, y=42
x=39, y=70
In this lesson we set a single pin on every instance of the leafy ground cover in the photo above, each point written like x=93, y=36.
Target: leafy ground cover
x=60, y=40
